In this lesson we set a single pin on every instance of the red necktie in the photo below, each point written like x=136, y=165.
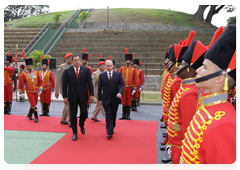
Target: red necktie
x=77, y=72
x=110, y=77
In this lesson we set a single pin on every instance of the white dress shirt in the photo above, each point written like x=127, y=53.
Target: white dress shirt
x=111, y=74
x=75, y=69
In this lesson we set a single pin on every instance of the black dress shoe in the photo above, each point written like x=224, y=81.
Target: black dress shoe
x=163, y=143
x=74, y=138
x=162, y=148
x=166, y=160
x=109, y=136
x=96, y=120
x=164, y=134
x=167, y=165
x=82, y=130
x=65, y=123
x=163, y=126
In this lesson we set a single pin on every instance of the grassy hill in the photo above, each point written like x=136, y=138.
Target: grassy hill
x=128, y=15
x=150, y=16
x=38, y=21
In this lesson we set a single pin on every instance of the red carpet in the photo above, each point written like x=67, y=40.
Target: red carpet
x=134, y=142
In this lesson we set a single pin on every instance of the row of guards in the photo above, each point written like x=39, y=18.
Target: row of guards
x=199, y=100
x=43, y=84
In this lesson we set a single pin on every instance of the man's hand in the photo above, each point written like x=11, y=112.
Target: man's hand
x=65, y=100
x=56, y=95
x=91, y=99
x=119, y=95
x=100, y=102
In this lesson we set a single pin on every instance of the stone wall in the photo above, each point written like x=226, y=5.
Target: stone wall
x=94, y=26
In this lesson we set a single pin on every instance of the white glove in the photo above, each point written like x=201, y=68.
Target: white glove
x=40, y=92
x=141, y=87
x=134, y=91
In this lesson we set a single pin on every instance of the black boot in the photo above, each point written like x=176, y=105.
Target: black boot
x=29, y=115
x=43, y=109
x=123, y=113
x=134, y=107
x=138, y=100
x=47, y=109
x=35, y=114
x=9, y=108
x=5, y=107
x=128, y=112
x=167, y=165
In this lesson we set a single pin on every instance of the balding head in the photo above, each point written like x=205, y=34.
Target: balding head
x=109, y=65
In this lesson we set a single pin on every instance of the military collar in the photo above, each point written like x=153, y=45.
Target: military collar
x=188, y=81
x=174, y=74
x=213, y=99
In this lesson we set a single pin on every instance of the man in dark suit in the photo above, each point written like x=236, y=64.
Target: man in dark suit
x=77, y=78
x=110, y=90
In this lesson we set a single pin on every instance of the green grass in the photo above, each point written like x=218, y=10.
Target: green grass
x=151, y=97
x=167, y=16
x=39, y=21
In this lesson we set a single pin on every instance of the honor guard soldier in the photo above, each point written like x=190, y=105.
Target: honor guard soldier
x=8, y=86
x=33, y=83
x=85, y=58
x=58, y=88
x=22, y=97
x=140, y=84
x=48, y=87
x=113, y=64
x=130, y=85
x=95, y=77
x=165, y=77
x=184, y=103
x=211, y=134
x=174, y=82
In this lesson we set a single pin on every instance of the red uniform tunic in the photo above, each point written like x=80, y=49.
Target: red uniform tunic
x=140, y=82
x=8, y=88
x=91, y=71
x=181, y=111
x=165, y=77
x=211, y=135
x=130, y=81
x=48, y=84
x=172, y=86
x=33, y=84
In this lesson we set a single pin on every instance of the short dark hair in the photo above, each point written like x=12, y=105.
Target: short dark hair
x=75, y=55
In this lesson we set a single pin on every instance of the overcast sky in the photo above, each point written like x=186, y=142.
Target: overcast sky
x=218, y=20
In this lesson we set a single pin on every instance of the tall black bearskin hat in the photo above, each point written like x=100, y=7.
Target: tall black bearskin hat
x=44, y=60
x=22, y=66
x=28, y=61
x=136, y=61
x=85, y=55
x=194, y=56
x=221, y=52
x=101, y=59
x=10, y=58
x=178, y=50
x=128, y=56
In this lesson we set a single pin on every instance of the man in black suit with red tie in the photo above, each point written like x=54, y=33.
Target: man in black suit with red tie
x=77, y=78
x=110, y=90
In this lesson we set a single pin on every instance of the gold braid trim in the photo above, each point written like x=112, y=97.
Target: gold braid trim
x=203, y=127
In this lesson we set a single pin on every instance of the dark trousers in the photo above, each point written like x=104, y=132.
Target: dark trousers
x=73, y=114
x=111, y=113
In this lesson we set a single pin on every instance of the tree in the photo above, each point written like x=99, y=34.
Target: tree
x=12, y=12
x=213, y=10
x=83, y=16
x=56, y=17
x=36, y=55
x=200, y=11
x=231, y=20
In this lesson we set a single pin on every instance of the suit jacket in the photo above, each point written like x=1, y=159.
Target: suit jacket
x=59, y=77
x=77, y=86
x=107, y=91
